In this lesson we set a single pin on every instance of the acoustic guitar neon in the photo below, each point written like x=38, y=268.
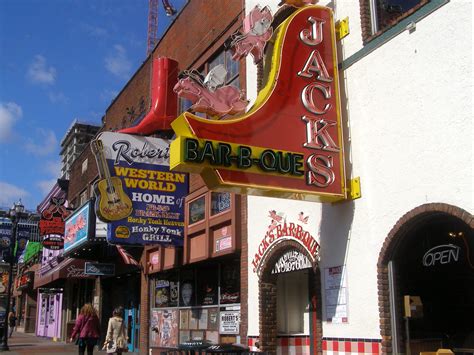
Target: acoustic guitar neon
x=112, y=203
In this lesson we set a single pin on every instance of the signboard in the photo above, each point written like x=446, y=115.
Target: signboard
x=79, y=227
x=292, y=260
x=336, y=294
x=281, y=229
x=99, y=269
x=138, y=196
x=229, y=322
x=51, y=224
x=165, y=327
x=290, y=142
x=25, y=281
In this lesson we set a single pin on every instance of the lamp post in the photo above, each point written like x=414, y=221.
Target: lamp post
x=15, y=214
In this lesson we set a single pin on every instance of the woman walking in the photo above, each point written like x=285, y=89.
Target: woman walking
x=87, y=327
x=116, y=339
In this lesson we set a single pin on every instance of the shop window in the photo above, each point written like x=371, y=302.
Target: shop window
x=386, y=13
x=220, y=202
x=166, y=291
x=207, y=286
x=230, y=283
x=197, y=210
x=292, y=302
x=187, y=292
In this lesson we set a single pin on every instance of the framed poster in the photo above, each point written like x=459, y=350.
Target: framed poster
x=197, y=335
x=184, y=319
x=213, y=319
x=184, y=336
x=203, y=320
x=213, y=336
x=193, y=320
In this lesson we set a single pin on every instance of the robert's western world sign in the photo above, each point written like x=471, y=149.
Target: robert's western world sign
x=290, y=143
x=138, y=196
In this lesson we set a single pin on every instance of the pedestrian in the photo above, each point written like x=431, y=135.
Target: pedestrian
x=11, y=323
x=86, y=329
x=116, y=340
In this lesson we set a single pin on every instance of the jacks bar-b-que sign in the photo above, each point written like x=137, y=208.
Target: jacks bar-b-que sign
x=290, y=142
x=138, y=196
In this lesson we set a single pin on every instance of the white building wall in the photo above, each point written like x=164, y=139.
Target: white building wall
x=408, y=108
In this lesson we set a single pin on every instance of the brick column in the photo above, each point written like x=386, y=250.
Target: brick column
x=144, y=343
x=267, y=305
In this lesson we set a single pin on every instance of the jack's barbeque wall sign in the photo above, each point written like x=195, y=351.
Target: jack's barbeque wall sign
x=290, y=142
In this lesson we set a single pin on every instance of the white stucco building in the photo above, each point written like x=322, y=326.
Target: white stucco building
x=406, y=99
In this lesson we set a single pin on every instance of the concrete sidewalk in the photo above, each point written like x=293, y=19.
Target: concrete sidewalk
x=27, y=343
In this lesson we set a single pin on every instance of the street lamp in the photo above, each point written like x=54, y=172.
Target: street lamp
x=15, y=214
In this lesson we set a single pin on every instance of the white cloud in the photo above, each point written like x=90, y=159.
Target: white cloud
x=47, y=143
x=40, y=73
x=94, y=31
x=46, y=185
x=9, y=113
x=117, y=62
x=10, y=194
x=57, y=97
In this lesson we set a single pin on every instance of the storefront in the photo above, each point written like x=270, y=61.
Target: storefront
x=195, y=292
x=62, y=288
x=26, y=300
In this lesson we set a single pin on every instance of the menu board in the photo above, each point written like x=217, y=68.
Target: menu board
x=336, y=294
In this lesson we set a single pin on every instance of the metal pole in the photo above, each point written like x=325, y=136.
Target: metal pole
x=4, y=344
x=407, y=330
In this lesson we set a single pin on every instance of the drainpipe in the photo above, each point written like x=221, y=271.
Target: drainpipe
x=164, y=101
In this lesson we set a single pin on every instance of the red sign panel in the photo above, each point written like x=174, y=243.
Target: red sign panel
x=290, y=143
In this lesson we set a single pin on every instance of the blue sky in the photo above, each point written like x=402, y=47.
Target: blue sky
x=60, y=60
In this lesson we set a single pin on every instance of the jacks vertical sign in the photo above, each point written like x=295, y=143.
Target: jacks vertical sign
x=138, y=196
x=51, y=224
x=290, y=142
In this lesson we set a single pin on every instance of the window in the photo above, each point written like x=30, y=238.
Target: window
x=385, y=13
x=83, y=198
x=197, y=210
x=84, y=166
x=292, y=302
x=220, y=202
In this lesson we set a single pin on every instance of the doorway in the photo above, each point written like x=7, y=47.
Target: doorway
x=431, y=283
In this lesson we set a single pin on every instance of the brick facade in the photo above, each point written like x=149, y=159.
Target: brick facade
x=398, y=232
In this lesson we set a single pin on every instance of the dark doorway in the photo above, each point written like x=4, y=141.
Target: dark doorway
x=434, y=260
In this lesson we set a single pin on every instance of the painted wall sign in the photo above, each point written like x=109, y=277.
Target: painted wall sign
x=290, y=142
x=99, y=269
x=79, y=227
x=138, y=196
x=279, y=230
x=441, y=255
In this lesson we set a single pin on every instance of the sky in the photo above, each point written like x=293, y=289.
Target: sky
x=60, y=60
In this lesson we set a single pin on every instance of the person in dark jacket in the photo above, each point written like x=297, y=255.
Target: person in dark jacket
x=87, y=328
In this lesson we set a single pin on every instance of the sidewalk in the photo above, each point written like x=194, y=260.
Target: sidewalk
x=29, y=344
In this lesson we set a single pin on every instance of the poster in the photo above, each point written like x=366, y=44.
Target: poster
x=335, y=287
x=164, y=326
x=184, y=319
x=229, y=322
x=212, y=336
x=203, y=319
x=193, y=319
x=184, y=336
x=146, y=205
x=213, y=319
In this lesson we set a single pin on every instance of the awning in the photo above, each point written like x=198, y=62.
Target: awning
x=68, y=268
